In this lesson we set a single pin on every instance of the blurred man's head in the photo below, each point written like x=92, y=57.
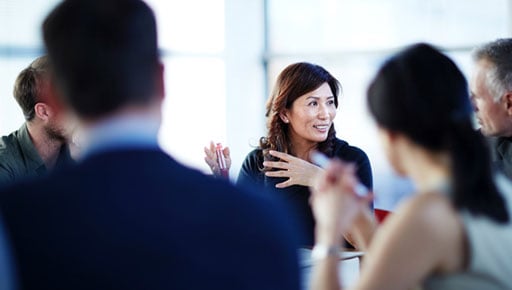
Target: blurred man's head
x=35, y=92
x=491, y=87
x=105, y=55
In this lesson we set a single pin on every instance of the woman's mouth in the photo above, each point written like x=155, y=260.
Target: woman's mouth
x=322, y=127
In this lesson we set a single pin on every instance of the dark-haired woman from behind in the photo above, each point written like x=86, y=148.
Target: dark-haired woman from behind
x=456, y=232
x=300, y=114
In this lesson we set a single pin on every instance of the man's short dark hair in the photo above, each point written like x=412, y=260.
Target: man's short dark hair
x=104, y=53
x=27, y=86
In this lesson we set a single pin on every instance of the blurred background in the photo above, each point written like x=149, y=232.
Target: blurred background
x=221, y=58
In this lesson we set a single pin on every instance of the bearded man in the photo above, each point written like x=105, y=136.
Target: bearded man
x=41, y=144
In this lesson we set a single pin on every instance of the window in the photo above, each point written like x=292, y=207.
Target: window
x=351, y=38
x=220, y=54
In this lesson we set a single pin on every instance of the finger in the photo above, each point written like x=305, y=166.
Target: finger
x=207, y=152
x=212, y=166
x=226, y=152
x=367, y=198
x=211, y=156
x=211, y=147
x=350, y=167
x=277, y=173
x=209, y=162
x=284, y=184
x=280, y=155
x=276, y=164
x=227, y=156
x=339, y=171
x=348, y=179
x=334, y=171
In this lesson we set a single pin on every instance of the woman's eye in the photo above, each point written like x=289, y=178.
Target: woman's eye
x=314, y=103
x=330, y=102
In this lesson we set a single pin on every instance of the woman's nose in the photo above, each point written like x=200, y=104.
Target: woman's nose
x=323, y=112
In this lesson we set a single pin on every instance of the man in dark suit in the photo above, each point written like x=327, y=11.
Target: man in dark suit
x=128, y=216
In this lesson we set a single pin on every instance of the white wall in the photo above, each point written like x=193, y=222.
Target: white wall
x=214, y=51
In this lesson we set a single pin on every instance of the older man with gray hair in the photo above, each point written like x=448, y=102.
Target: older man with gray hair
x=491, y=93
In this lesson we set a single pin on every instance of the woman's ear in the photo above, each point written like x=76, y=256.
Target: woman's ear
x=43, y=111
x=284, y=117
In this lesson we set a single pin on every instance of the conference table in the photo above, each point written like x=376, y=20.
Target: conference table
x=350, y=262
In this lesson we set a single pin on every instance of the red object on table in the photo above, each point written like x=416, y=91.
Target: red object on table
x=381, y=214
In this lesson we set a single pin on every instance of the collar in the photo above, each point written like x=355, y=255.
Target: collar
x=504, y=140
x=34, y=161
x=504, y=147
x=133, y=131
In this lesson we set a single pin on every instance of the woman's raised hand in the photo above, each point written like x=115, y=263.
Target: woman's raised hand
x=298, y=171
x=211, y=158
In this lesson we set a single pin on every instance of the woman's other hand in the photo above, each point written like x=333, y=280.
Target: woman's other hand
x=211, y=158
x=298, y=171
x=335, y=203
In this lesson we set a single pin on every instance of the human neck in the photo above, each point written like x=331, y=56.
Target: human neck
x=133, y=126
x=302, y=148
x=429, y=172
x=47, y=147
x=151, y=111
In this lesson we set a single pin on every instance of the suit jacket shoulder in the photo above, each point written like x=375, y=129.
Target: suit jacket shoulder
x=138, y=219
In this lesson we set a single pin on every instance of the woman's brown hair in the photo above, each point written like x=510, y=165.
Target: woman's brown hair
x=293, y=82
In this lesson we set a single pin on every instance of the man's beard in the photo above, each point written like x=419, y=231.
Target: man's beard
x=56, y=134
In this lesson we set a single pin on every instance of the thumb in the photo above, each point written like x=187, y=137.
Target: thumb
x=226, y=151
x=369, y=197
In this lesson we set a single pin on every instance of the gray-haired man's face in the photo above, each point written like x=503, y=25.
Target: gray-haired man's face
x=492, y=115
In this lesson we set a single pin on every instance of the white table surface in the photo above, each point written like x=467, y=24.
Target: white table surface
x=348, y=270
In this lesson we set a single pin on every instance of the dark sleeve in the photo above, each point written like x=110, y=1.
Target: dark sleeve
x=6, y=176
x=9, y=161
x=364, y=170
x=250, y=174
x=360, y=159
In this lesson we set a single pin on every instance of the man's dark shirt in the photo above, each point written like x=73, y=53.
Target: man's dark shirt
x=19, y=159
x=502, y=154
